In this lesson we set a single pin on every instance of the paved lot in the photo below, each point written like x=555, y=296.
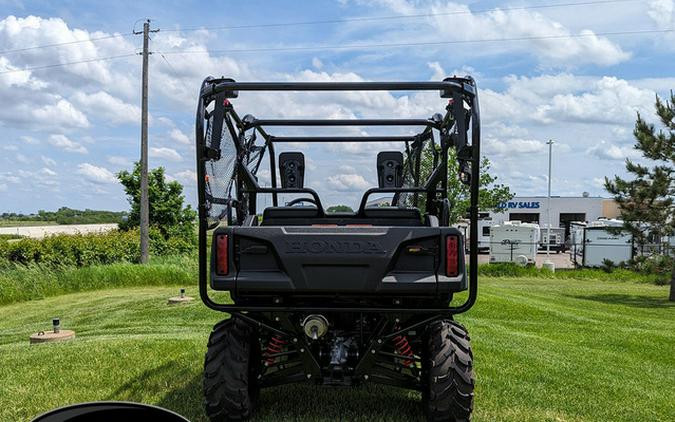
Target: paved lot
x=38, y=232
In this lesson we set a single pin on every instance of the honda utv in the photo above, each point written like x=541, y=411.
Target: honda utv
x=336, y=299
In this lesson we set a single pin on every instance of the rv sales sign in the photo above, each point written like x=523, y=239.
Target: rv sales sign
x=520, y=205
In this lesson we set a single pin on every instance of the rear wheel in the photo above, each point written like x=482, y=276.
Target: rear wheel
x=448, y=369
x=231, y=366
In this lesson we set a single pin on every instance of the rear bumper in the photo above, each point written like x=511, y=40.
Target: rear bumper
x=318, y=261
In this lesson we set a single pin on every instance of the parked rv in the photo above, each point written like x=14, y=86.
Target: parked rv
x=514, y=241
x=595, y=242
x=557, y=241
x=484, y=225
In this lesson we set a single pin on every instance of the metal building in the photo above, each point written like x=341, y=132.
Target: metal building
x=564, y=210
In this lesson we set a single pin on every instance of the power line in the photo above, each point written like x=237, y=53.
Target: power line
x=107, y=37
x=395, y=17
x=49, y=66
x=329, y=21
x=417, y=44
x=354, y=46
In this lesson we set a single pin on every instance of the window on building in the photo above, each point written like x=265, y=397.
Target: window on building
x=486, y=230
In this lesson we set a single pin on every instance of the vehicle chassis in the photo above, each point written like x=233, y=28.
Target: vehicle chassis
x=276, y=315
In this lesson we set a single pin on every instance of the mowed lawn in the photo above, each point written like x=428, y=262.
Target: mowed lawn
x=545, y=350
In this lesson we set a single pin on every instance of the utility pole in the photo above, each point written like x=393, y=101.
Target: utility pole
x=548, y=264
x=145, y=206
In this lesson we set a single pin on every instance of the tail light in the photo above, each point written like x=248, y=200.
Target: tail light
x=222, y=254
x=452, y=256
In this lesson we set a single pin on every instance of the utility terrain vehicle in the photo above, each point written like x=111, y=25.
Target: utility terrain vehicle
x=335, y=298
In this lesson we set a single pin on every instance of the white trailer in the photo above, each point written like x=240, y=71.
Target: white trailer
x=599, y=243
x=557, y=241
x=484, y=225
x=514, y=241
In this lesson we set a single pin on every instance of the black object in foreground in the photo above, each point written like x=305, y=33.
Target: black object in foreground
x=336, y=298
x=110, y=411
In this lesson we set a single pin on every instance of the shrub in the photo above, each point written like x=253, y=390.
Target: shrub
x=83, y=250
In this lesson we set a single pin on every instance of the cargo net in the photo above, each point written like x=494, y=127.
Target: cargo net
x=219, y=172
x=420, y=157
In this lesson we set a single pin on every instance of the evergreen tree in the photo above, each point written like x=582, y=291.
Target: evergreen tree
x=649, y=198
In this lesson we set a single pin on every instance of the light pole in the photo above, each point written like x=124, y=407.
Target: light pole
x=548, y=264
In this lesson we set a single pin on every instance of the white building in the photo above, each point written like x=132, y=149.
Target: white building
x=564, y=210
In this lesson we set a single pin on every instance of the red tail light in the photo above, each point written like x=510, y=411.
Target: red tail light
x=452, y=256
x=222, y=254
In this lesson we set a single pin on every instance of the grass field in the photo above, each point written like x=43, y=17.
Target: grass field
x=545, y=350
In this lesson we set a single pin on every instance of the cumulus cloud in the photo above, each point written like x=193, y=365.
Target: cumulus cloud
x=62, y=141
x=186, y=176
x=107, y=107
x=166, y=154
x=608, y=151
x=547, y=39
x=662, y=12
x=348, y=182
x=501, y=147
x=119, y=161
x=177, y=135
x=47, y=172
x=95, y=174
x=48, y=161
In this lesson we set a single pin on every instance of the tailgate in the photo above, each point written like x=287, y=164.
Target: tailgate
x=341, y=260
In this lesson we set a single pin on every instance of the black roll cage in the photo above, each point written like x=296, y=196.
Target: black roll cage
x=453, y=127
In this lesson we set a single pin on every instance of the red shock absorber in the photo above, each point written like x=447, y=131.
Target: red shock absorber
x=274, y=346
x=403, y=348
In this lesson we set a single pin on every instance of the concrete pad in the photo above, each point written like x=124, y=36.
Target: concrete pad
x=178, y=300
x=50, y=336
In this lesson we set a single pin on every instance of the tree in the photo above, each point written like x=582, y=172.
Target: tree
x=649, y=198
x=340, y=208
x=490, y=194
x=167, y=212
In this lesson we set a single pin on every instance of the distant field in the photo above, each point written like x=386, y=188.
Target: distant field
x=13, y=223
x=545, y=350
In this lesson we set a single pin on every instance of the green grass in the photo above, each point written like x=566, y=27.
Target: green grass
x=545, y=350
x=20, y=283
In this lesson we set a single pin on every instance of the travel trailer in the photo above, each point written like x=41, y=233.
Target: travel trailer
x=595, y=242
x=484, y=225
x=514, y=241
x=557, y=241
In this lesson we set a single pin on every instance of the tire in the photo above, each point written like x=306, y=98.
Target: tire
x=448, y=371
x=231, y=366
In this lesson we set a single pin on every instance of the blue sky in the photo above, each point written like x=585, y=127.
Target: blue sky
x=67, y=130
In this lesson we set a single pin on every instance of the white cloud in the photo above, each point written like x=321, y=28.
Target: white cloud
x=662, y=12
x=317, y=63
x=110, y=108
x=166, y=154
x=22, y=159
x=119, y=161
x=62, y=141
x=10, y=148
x=47, y=172
x=177, y=135
x=186, y=176
x=511, y=147
x=29, y=140
x=95, y=174
x=608, y=151
x=348, y=182
x=48, y=161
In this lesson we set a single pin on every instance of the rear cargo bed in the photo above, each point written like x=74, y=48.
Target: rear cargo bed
x=337, y=260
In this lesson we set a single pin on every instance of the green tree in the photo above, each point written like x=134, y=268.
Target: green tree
x=340, y=208
x=490, y=194
x=648, y=199
x=167, y=212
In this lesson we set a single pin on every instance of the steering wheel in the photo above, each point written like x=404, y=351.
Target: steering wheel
x=299, y=200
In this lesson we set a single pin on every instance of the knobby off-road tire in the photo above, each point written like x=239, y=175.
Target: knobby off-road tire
x=448, y=369
x=231, y=366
